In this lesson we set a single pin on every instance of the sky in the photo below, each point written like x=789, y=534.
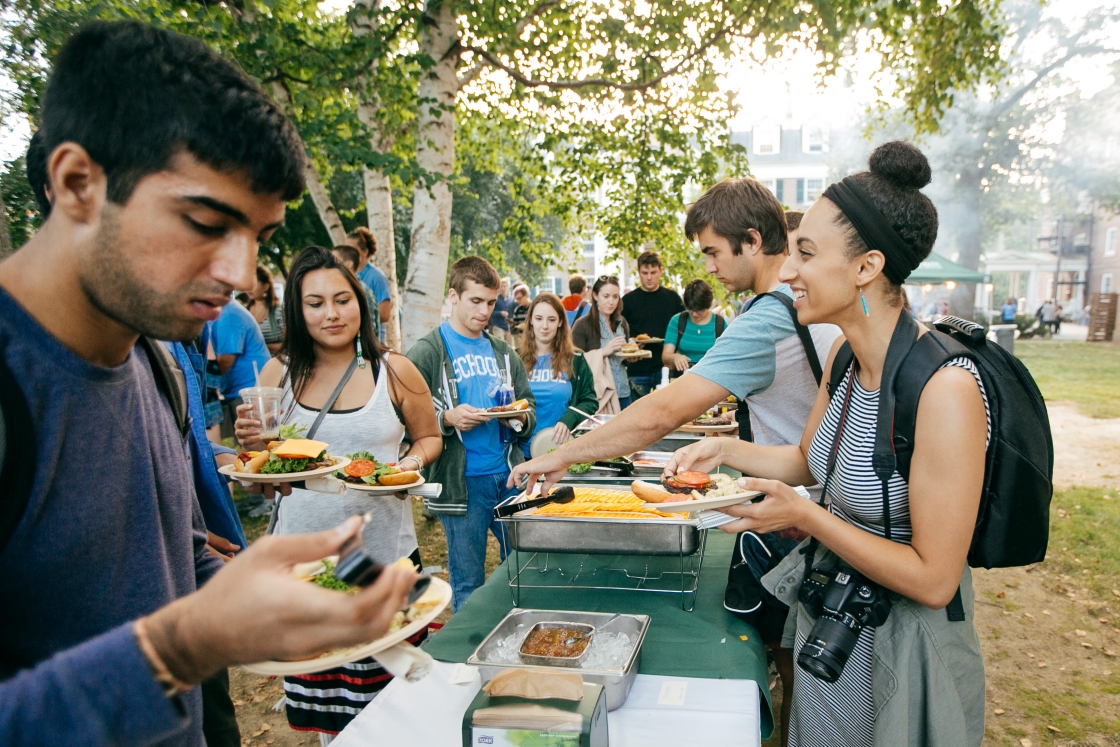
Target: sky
x=788, y=85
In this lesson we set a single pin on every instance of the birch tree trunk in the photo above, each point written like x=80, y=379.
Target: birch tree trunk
x=315, y=187
x=6, y=247
x=435, y=152
x=378, y=194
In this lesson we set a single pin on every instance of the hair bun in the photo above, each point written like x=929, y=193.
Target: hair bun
x=902, y=164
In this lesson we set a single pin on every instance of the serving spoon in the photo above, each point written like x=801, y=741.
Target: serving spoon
x=577, y=638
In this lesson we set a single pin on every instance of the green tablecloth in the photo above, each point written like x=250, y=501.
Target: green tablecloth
x=703, y=643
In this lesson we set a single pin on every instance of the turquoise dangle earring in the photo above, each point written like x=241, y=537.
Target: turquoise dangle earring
x=862, y=300
x=362, y=361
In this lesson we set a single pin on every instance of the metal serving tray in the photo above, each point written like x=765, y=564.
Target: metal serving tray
x=604, y=536
x=649, y=470
x=616, y=683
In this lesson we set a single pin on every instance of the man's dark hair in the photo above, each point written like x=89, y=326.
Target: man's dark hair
x=576, y=284
x=134, y=96
x=474, y=269
x=349, y=254
x=793, y=220
x=698, y=295
x=733, y=207
x=649, y=259
x=36, y=162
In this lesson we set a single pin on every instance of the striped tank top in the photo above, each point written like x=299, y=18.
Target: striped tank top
x=841, y=714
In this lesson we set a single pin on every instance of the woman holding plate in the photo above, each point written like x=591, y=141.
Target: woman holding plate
x=559, y=377
x=383, y=398
x=604, y=329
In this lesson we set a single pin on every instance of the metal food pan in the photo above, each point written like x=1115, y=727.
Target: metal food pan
x=605, y=536
x=650, y=470
x=616, y=683
x=588, y=632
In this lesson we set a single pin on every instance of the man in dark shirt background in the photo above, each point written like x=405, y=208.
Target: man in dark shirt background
x=648, y=309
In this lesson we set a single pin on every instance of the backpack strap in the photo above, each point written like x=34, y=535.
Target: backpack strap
x=840, y=365
x=170, y=380
x=18, y=454
x=682, y=324
x=721, y=324
x=802, y=332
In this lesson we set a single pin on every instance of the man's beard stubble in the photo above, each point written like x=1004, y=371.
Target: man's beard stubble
x=117, y=292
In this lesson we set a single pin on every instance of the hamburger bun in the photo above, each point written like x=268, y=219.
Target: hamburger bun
x=653, y=493
x=399, y=478
x=629, y=347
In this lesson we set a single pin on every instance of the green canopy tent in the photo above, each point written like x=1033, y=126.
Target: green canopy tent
x=935, y=270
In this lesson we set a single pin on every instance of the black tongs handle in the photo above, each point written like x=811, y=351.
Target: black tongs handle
x=564, y=494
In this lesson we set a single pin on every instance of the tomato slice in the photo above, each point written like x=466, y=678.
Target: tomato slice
x=360, y=468
x=693, y=479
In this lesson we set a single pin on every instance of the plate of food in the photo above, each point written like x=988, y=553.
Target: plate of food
x=290, y=460
x=692, y=492
x=710, y=424
x=633, y=351
x=511, y=410
x=644, y=338
x=367, y=475
x=406, y=623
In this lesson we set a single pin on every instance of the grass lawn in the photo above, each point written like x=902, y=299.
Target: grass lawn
x=1085, y=373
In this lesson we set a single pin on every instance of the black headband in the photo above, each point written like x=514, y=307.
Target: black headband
x=872, y=226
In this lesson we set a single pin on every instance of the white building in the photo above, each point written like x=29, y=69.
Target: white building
x=1029, y=277
x=791, y=159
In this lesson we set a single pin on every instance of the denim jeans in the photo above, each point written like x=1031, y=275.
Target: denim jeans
x=640, y=386
x=466, y=535
x=624, y=402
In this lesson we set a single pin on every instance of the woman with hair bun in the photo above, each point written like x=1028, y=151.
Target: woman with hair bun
x=914, y=675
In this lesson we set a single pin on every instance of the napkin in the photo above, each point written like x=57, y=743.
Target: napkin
x=522, y=683
x=405, y=660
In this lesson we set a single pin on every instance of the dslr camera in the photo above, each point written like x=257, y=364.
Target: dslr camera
x=844, y=603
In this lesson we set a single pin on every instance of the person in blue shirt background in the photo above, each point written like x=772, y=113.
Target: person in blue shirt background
x=362, y=239
x=1008, y=311
x=684, y=348
x=559, y=377
x=238, y=343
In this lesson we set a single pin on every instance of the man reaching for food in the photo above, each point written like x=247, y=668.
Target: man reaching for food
x=155, y=220
x=760, y=358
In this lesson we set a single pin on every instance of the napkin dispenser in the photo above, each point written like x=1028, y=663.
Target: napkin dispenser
x=576, y=719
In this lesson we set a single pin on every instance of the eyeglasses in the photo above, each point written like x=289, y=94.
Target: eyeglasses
x=608, y=279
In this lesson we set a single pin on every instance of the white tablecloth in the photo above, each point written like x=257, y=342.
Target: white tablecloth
x=429, y=713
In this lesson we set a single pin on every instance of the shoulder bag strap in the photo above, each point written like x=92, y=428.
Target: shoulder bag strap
x=721, y=325
x=334, y=396
x=682, y=324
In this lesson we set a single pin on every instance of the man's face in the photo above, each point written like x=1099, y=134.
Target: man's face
x=165, y=262
x=651, y=277
x=472, y=308
x=503, y=288
x=735, y=271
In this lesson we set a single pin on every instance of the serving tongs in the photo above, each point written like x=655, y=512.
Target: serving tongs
x=563, y=494
x=622, y=465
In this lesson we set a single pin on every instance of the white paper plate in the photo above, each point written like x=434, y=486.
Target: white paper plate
x=339, y=463
x=707, y=504
x=650, y=341
x=509, y=414
x=708, y=428
x=363, y=488
x=345, y=656
x=635, y=356
x=542, y=444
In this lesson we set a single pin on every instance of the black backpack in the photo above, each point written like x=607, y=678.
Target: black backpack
x=1013, y=522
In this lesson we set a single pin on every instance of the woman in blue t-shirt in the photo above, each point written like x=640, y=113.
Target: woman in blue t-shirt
x=559, y=377
x=685, y=346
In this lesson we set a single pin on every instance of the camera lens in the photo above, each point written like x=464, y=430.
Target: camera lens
x=827, y=649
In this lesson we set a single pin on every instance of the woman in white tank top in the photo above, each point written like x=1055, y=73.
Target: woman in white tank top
x=385, y=399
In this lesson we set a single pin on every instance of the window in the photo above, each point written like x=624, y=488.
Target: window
x=813, y=189
x=1106, y=282
x=589, y=248
x=558, y=287
x=769, y=184
x=767, y=139
x=780, y=189
x=1110, y=242
x=814, y=139
x=800, y=191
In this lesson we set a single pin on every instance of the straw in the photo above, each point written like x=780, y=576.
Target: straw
x=257, y=374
